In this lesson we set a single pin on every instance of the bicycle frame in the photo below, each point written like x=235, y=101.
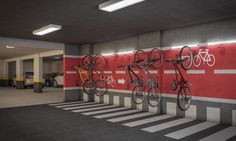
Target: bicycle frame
x=204, y=55
x=180, y=81
x=137, y=81
x=151, y=82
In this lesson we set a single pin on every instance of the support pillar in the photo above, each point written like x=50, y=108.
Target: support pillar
x=19, y=74
x=38, y=75
x=5, y=81
x=1, y=72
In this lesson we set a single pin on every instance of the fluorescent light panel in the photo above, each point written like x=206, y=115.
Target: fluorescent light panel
x=10, y=47
x=114, y=5
x=107, y=54
x=47, y=29
x=125, y=52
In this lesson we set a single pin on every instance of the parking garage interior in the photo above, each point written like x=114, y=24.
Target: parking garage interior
x=153, y=70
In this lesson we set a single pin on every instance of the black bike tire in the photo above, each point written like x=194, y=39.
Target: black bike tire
x=161, y=58
x=149, y=100
x=85, y=83
x=86, y=67
x=106, y=88
x=135, y=57
x=178, y=99
x=133, y=97
x=104, y=59
x=191, y=55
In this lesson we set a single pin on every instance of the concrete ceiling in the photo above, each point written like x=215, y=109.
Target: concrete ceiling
x=82, y=21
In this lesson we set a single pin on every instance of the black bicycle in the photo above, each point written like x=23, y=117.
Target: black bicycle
x=185, y=59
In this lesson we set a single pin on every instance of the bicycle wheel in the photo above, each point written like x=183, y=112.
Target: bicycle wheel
x=89, y=87
x=156, y=58
x=211, y=61
x=101, y=87
x=87, y=62
x=138, y=94
x=184, y=98
x=197, y=61
x=186, y=57
x=140, y=58
x=99, y=62
x=154, y=96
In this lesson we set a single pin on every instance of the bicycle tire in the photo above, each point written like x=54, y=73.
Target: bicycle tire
x=140, y=55
x=156, y=54
x=138, y=94
x=181, y=55
x=196, y=61
x=101, y=87
x=182, y=106
x=87, y=62
x=89, y=87
x=99, y=62
x=154, y=97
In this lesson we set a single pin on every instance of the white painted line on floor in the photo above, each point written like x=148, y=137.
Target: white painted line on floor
x=221, y=135
x=130, y=117
x=166, y=125
x=91, y=109
x=196, y=71
x=116, y=114
x=147, y=120
x=80, y=107
x=190, y=130
x=169, y=71
x=120, y=72
x=63, y=103
x=107, y=72
x=104, y=111
x=171, y=108
x=233, y=117
x=76, y=104
x=213, y=114
x=225, y=71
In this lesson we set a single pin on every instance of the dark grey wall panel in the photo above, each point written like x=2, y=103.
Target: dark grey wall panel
x=149, y=40
x=71, y=49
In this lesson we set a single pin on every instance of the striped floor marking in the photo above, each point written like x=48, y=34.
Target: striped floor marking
x=221, y=135
x=86, y=106
x=190, y=130
x=63, y=103
x=147, y=120
x=105, y=111
x=117, y=114
x=130, y=117
x=71, y=105
x=96, y=108
x=166, y=125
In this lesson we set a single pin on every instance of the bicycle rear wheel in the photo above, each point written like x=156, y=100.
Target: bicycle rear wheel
x=87, y=61
x=100, y=62
x=138, y=94
x=89, y=87
x=184, y=98
x=156, y=58
x=186, y=57
x=101, y=87
x=154, y=96
x=140, y=58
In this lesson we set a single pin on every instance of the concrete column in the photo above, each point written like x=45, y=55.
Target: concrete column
x=1, y=72
x=19, y=74
x=5, y=74
x=38, y=74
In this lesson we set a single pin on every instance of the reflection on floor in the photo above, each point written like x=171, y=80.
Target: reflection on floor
x=11, y=97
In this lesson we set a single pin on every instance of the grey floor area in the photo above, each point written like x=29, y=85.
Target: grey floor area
x=12, y=97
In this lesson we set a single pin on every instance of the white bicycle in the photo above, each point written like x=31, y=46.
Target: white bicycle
x=203, y=55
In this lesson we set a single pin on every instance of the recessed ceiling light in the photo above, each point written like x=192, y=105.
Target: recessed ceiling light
x=10, y=47
x=114, y=5
x=47, y=29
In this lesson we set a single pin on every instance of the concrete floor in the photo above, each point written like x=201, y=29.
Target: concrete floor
x=11, y=97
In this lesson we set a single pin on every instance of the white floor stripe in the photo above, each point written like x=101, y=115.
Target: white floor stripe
x=63, y=103
x=221, y=135
x=147, y=120
x=104, y=111
x=116, y=114
x=91, y=109
x=77, y=104
x=130, y=117
x=190, y=130
x=166, y=125
x=80, y=107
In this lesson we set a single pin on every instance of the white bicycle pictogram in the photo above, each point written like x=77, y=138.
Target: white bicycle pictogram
x=109, y=80
x=203, y=55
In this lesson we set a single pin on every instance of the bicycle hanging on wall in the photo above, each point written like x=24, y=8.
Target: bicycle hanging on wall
x=185, y=59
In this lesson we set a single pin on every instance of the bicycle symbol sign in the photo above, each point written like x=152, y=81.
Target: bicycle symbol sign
x=109, y=80
x=205, y=56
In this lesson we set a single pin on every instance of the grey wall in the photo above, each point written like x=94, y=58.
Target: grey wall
x=1, y=68
x=11, y=69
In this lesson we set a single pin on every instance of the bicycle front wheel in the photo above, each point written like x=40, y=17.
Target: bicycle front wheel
x=138, y=94
x=186, y=57
x=154, y=96
x=100, y=62
x=101, y=87
x=156, y=58
x=89, y=87
x=140, y=58
x=87, y=62
x=184, y=98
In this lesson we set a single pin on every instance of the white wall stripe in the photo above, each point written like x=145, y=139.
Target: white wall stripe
x=95, y=72
x=221, y=135
x=166, y=125
x=190, y=130
x=72, y=88
x=169, y=72
x=191, y=112
x=152, y=109
x=139, y=106
x=136, y=71
x=75, y=104
x=116, y=114
x=107, y=72
x=120, y=72
x=80, y=107
x=106, y=99
x=233, y=117
x=196, y=71
x=91, y=109
x=225, y=71
x=171, y=108
x=71, y=72
x=116, y=100
x=104, y=111
x=127, y=102
x=97, y=98
x=213, y=114
x=153, y=71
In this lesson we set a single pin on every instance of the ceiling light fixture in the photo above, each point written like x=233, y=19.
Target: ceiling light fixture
x=114, y=5
x=47, y=29
x=107, y=54
x=125, y=52
x=10, y=47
